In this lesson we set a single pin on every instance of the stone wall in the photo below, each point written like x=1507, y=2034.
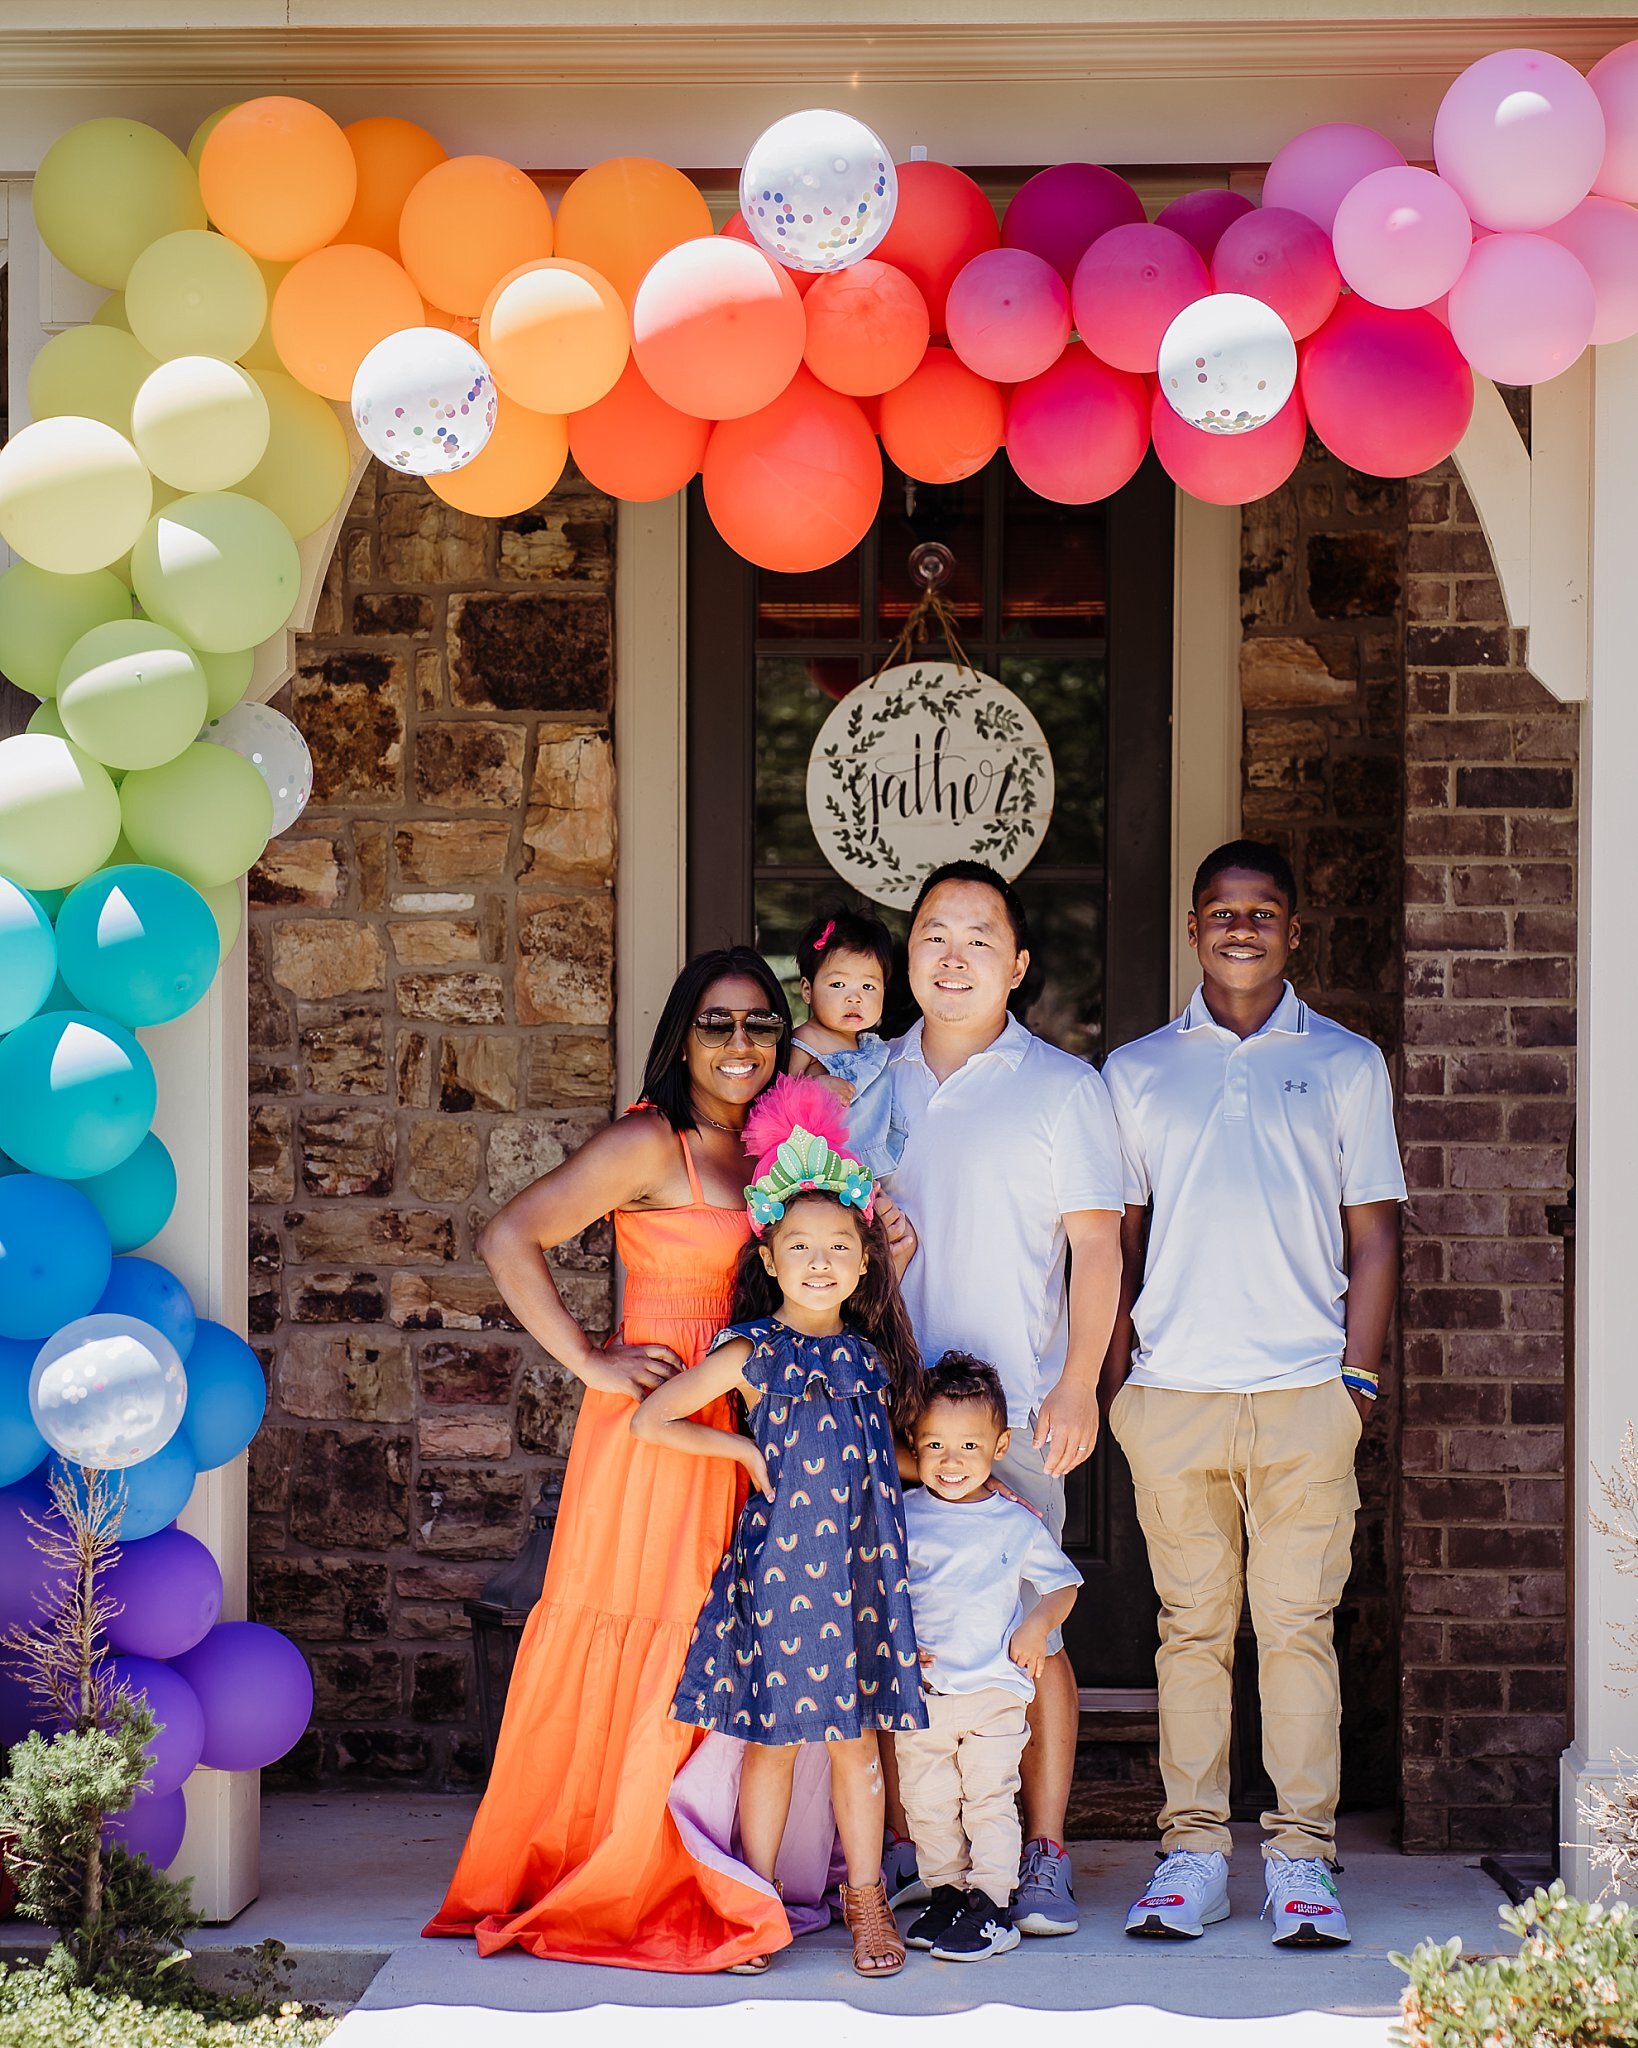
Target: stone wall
x=431, y=1001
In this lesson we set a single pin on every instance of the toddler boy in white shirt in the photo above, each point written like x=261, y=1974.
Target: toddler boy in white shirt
x=989, y=1586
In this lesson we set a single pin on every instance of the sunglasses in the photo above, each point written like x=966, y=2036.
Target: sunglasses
x=716, y=1027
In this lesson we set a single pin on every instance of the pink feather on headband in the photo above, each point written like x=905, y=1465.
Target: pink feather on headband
x=793, y=1101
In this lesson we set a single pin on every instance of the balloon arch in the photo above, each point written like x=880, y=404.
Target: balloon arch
x=283, y=268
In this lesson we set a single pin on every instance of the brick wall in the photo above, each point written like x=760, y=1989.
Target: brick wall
x=431, y=999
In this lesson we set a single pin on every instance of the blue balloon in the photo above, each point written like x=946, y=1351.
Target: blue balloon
x=227, y=1396
x=149, y=1495
x=21, y=1445
x=55, y=1257
x=28, y=955
x=135, y=1198
x=137, y=944
x=153, y=1295
x=77, y=1095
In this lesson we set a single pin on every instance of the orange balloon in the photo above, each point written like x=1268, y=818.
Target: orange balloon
x=944, y=422
x=556, y=336
x=332, y=309
x=514, y=469
x=717, y=329
x=942, y=221
x=635, y=446
x=621, y=217
x=738, y=229
x=392, y=157
x=462, y=324
x=467, y=224
x=796, y=485
x=867, y=328
x=278, y=177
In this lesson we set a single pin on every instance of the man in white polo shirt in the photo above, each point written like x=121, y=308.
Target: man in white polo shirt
x=1262, y=1165
x=1011, y=1164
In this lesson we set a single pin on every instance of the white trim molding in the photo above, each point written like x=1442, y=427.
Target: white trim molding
x=1206, y=717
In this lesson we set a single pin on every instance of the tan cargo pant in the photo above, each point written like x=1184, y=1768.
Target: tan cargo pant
x=1260, y=1485
x=958, y=1778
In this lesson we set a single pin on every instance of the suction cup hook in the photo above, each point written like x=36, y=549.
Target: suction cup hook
x=931, y=564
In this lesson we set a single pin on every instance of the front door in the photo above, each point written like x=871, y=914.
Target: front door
x=1070, y=606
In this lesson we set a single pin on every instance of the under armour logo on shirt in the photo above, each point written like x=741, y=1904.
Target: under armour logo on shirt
x=1296, y=1087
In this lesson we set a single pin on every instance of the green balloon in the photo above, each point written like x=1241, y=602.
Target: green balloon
x=46, y=718
x=303, y=477
x=132, y=694
x=42, y=615
x=206, y=129
x=108, y=188
x=205, y=816
x=227, y=906
x=227, y=677
x=195, y=294
x=59, y=813
x=95, y=372
x=219, y=569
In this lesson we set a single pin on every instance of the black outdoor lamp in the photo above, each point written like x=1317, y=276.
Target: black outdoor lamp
x=500, y=1610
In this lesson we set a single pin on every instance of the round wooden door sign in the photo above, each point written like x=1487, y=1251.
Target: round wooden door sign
x=923, y=764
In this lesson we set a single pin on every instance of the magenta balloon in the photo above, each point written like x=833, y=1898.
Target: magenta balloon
x=150, y=1826
x=1129, y=288
x=1316, y=168
x=1079, y=431
x=1523, y=309
x=1059, y=213
x=1402, y=237
x=256, y=1692
x=1520, y=134
x=1615, y=80
x=1602, y=235
x=1007, y=315
x=175, y=1750
x=1228, y=469
x=1200, y=217
x=169, y=1590
x=1284, y=259
x=1388, y=393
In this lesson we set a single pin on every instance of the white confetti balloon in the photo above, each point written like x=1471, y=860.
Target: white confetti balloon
x=275, y=749
x=1228, y=363
x=424, y=401
x=818, y=190
x=107, y=1391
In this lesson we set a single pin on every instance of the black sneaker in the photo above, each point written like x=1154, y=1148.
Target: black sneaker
x=945, y=1908
x=983, y=1929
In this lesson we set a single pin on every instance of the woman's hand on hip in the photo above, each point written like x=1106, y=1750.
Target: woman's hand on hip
x=632, y=1370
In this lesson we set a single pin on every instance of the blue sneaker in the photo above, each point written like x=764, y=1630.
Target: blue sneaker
x=899, y=1873
x=1044, y=1902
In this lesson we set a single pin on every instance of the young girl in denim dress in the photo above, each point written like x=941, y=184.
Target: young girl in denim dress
x=845, y=960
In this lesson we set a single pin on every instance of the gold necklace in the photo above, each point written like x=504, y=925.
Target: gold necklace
x=734, y=1131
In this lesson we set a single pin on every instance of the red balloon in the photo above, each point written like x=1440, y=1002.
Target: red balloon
x=1079, y=431
x=943, y=423
x=867, y=328
x=1284, y=259
x=1228, y=469
x=635, y=446
x=1129, y=288
x=1388, y=393
x=1059, y=213
x=1200, y=217
x=717, y=328
x=1008, y=315
x=738, y=229
x=795, y=486
x=942, y=221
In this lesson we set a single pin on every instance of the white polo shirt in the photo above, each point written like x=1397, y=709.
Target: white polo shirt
x=1249, y=1148
x=1017, y=1138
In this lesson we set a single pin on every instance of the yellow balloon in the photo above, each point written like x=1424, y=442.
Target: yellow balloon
x=199, y=423
x=108, y=188
x=303, y=477
x=206, y=129
x=111, y=313
x=261, y=354
x=74, y=495
x=163, y=495
x=195, y=294
x=94, y=372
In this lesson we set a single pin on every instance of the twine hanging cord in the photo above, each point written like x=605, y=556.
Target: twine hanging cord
x=927, y=612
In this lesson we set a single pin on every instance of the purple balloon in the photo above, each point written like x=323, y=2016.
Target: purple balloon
x=256, y=1692
x=19, y=1711
x=23, y=1571
x=175, y=1750
x=152, y=1826
x=170, y=1592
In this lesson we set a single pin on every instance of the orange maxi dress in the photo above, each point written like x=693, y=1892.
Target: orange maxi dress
x=574, y=1854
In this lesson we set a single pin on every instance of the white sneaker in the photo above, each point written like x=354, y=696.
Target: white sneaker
x=1188, y=1891
x=1302, y=1896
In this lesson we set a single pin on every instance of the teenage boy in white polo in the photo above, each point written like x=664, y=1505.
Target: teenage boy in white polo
x=1011, y=1164
x=1262, y=1165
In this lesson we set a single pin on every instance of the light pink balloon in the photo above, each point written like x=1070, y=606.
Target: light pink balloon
x=1402, y=237
x=1129, y=288
x=1615, y=80
x=1060, y=212
x=1007, y=315
x=1602, y=235
x=1522, y=310
x=1520, y=134
x=1284, y=259
x=1200, y=217
x=1317, y=168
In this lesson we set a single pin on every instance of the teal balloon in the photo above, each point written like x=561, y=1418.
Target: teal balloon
x=22, y=1447
x=137, y=944
x=135, y=1198
x=77, y=1094
x=50, y=900
x=28, y=955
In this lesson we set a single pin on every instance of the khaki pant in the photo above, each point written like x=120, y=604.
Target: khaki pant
x=1259, y=1484
x=958, y=1778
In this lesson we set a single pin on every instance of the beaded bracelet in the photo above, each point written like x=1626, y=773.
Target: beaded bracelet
x=1358, y=1379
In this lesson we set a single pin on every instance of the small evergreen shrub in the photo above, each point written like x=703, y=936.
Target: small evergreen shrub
x=39, y=2010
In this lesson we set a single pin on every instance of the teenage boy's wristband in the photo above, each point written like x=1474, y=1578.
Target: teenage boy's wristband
x=1359, y=1379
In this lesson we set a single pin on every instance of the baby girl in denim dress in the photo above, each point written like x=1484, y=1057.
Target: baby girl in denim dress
x=845, y=960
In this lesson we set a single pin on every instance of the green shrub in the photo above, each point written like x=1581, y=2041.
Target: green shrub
x=1573, y=1981
x=36, y=2011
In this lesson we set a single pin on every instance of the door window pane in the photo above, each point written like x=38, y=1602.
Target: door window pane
x=1068, y=694
x=821, y=606
x=1054, y=568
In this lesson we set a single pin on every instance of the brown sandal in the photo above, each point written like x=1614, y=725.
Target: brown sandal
x=753, y=1966
x=878, y=1948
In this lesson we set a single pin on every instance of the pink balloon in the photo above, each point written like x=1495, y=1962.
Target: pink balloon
x=1615, y=80
x=1059, y=213
x=1007, y=315
x=1602, y=235
x=1520, y=134
x=1317, y=168
x=1402, y=237
x=1523, y=309
x=1284, y=259
x=1079, y=431
x=1129, y=288
x=1228, y=469
x=1200, y=217
x=1387, y=392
